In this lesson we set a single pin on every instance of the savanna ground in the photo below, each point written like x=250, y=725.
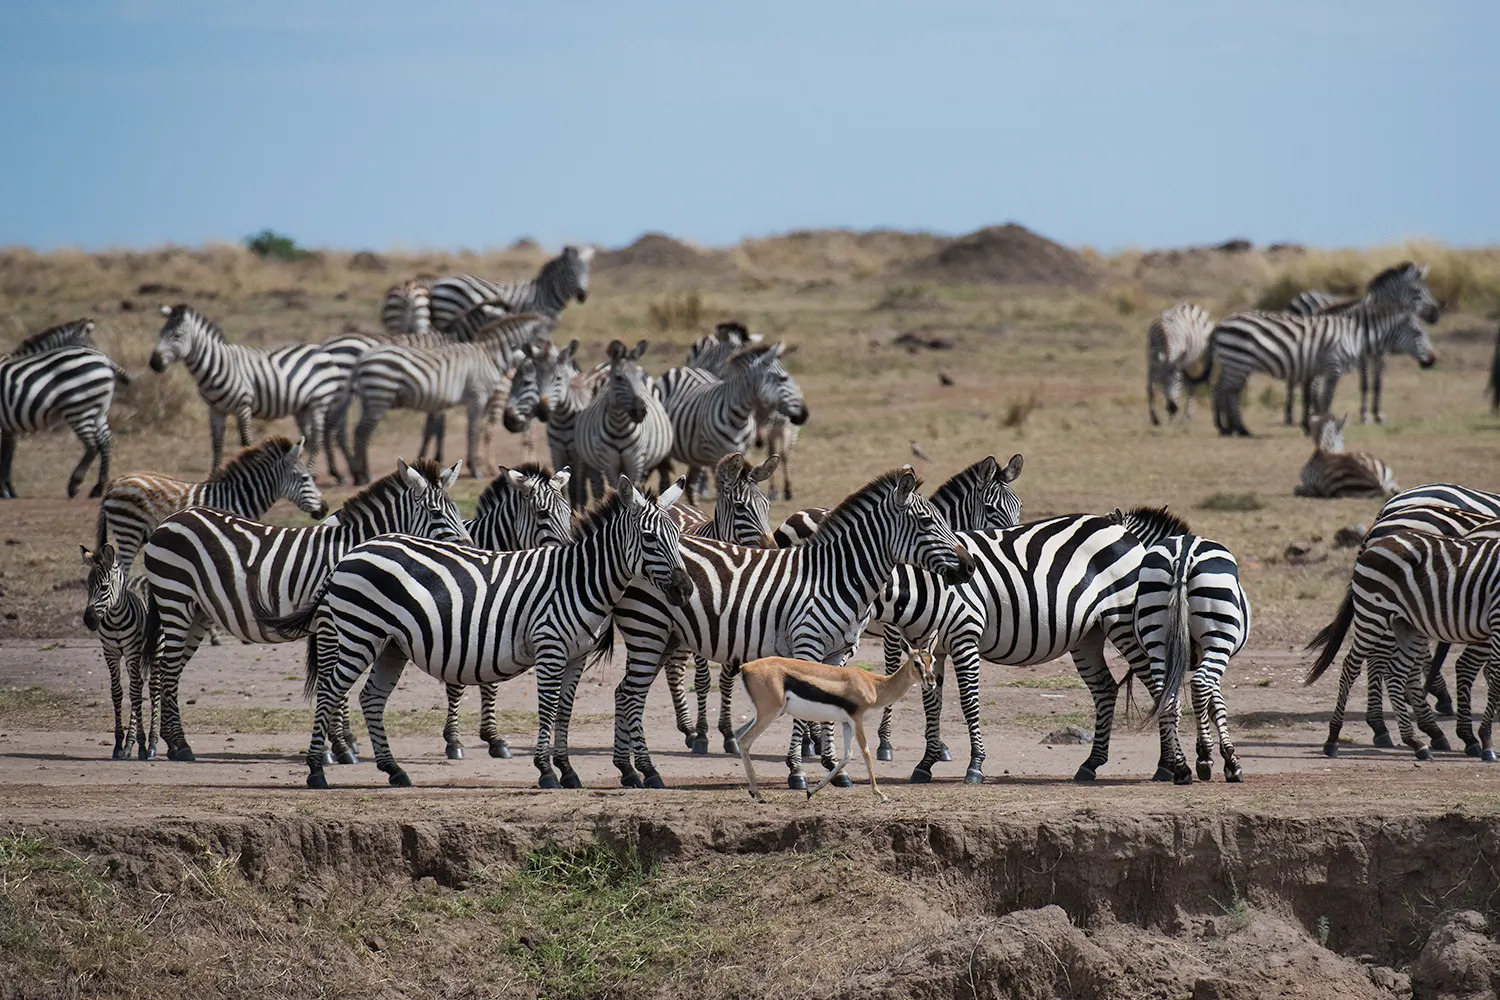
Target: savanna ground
x=1361, y=876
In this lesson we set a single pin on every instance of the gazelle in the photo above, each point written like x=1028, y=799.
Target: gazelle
x=818, y=692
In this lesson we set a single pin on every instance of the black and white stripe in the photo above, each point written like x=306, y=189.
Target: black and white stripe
x=203, y=565
x=407, y=309
x=1334, y=472
x=72, y=385
x=1304, y=349
x=116, y=612
x=624, y=430
x=810, y=602
x=554, y=389
x=478, y=617
x=562, y=279
x=1175, y=341
x=300, y=381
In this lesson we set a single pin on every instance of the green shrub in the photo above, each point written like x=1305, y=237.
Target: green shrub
x=274, y=245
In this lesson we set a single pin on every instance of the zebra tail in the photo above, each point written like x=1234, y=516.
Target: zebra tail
x=1439, y=655
x=1178, y=649
x=604, y=647
x=151, y=638
x=1208, y=363
x=121, y=375
x=295, y=625
x=1332, y=637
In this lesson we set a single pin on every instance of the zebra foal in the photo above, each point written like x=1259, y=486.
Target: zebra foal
x=1334, y=472
x=116, y=612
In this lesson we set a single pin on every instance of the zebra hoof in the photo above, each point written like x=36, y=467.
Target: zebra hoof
x=1205, y=771
x=317, y=780
x=1234, y=775
x=327, y=757
x=1384, y=740
x=1184, y=776
x=348, y=757
x=183, y=753
x=687, y=740
x=699, y=746
x=1488, y=756
x=1085, y=773
x=570, y=779
x=1472, y=749
x=1163, y=773
x=732, y=746
x=920, y=776
x=455, y=752
x=548, y=780
x=1331, y=748
x=1444, y=708
x=1424, y=753
x=500, y=749
x=630, y=779
x=809, y=750
x=973, y=776
x=97, y=491
x=885, y=751
x=120, y=753
x=399, y=779
x=841, y=780
x=1440, y=742
x=654, y=781
x=797, y=782
x=945, y=754
x=146, y=753
x=213, y=640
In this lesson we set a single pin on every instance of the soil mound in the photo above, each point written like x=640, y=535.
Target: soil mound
x=659, y=252
x=1007, y=255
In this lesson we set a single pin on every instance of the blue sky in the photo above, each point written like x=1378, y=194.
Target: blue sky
x=447, y=124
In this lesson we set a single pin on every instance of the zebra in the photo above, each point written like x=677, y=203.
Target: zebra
x=1175, y=340
x=1039, y=590
x=116, y=612
x=1218, y=618
x=562, y=279
x=711, y=419
x=434, y=378
x=710, y=352
x=74, y=333
x=522, y=508
x=299, y=381
x=1334, y=472
x=72, y=385
x=1403, y=285
x=1408, y=587
x=407, y=309
x=1303, y=349
x=268, y=471
x=204, y=564
x=810, y=602
x=555, y=390
x=624, y=430
x=480, y=617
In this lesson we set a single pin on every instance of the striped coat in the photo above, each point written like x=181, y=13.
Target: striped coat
x=1175, y=341
x=561, y=280
x=624, y=430
x=72, y=385
x=116, y=612
x=1334, y=472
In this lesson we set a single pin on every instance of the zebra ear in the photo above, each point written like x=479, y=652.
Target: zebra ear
x=763, y=471
x=514, y=476
x=570, y=350
x=166, y=310
x=640, y=349
x=670, y=497
x=1012, y=470
x=775, y=352
x=1422, y=271
x=616, y=350
x=906, y=485
x=107, y=555
x=1117, y=516
x=627, y=489
x=731, y=466
x=560, y=481
x=585, y=253
x=88, y=557
x=296, y=451
x=450, y=475
x=415, y=481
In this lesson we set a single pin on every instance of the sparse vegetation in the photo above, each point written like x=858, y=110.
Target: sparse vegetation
x=275, y=246
x=1231, y=502
x=1019, y=411
x=679, y=311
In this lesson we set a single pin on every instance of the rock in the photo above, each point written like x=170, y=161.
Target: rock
x=1459, y=960
x=1219, y=988
x=1068, y=734
x=1303, y=554
x=1349, y=537
x=945, y=378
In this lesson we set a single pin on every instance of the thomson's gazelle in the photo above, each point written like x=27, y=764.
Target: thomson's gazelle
x=818, y=692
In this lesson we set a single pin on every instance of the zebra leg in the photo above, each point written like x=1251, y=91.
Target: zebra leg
x=489, y=721
x=701, y=681
x=1151, y=396
x=7, y=461
x=1405, y=688
x=1465, y=671
x=332, y=696
x=104, y=439
x=1088, y=658
x=453, y=745
x=727, y=672
x=932, y=712
x=630, y=705
x=242, y=417
x=384, y=675
x=965, y=651
x=117, y=694
x=570, y=777
x=88, y=434
x=216, y=438
x=1377, y=678
x=892, y=646
x=1377, y=373
x=313, y=427
x=551, y=670
x=1354, y=662
x=1437, y=685
x=1202, y=698
x=138, y=708
x=370, y=413
x=476, y=416
x=177, y=647
x=1291, y=389
x=676, y=670
x=1492, y=682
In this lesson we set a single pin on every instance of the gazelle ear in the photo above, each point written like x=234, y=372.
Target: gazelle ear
x=450, y=475
x=763, y=471
x=670, y=497
x=88, y=557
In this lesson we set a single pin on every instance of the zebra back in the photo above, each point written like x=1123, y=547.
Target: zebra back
x=67, y=384
x=1443, y=495
x=710, y=352
x=561, y=279
x=1150, y=525
x=74, y=333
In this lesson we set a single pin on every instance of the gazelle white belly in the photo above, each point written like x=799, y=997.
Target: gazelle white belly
x=813, y=711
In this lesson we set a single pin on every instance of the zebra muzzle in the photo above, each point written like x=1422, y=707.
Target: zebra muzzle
x=679, y=588
x=513, y=421
x=800, y=417
x=955, y=575
x=90, y=620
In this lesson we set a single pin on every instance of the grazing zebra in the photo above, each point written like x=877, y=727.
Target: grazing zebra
x=1409, y=587
x=1334, y=472
x=72, y=385
x=1304, y=349
x=260, y=475
x=434, y=378
x=74, y=333
x=1404, y=285
x=1039, y=590
x=203, y=565
x=299, y=381
x=479, y=617
x=624, y=430
x=522, y=508
x=554, y=389
x=1175, y=340
x=116, y=611
x=1218, y=618
x=562, y=279
x=407, y=309
x=810, y=602
x=711, y=419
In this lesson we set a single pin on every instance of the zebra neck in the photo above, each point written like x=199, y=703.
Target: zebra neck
x=734, y=399
x=599, y=563
x=205, y=355
x=248, y=496
x=856, y=560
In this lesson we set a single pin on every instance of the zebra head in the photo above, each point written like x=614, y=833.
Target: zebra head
x=1328, y=432
x=710, y=352
x=628, y=386
x=539, y=511
x=1395, y=330
x=1405, y=285
x=106, y=584
x=566, y=276
x=660, y=552
x=436, y=515
x=980, y=497
x=919, y=536
x=179, y=334
x=775, y=389
x=296, y=483
x=742, y=514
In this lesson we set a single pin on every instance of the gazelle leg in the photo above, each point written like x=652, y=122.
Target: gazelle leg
x=746, y=736
x=864, y=747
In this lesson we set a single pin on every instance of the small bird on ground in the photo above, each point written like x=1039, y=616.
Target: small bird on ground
x=916, y=450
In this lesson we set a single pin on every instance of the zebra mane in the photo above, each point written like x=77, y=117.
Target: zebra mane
x=1151, y=524
x=748, y=353
x=962, y=480
x=74, y=333
x=1395, y=273
x=263, y=452
x=861, y=499
x=501, y=484
x=600, y=513
x=389, y=486
x=182, y=311
x=560, y=266
x=503, y=329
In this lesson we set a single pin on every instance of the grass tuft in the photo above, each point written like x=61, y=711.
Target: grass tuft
x=1231, y=502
